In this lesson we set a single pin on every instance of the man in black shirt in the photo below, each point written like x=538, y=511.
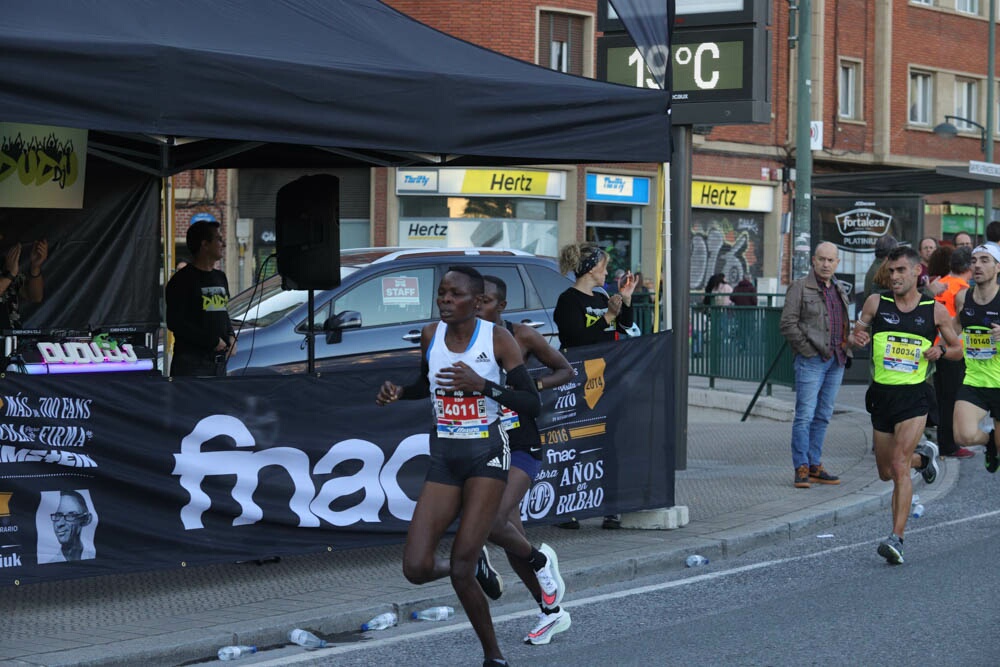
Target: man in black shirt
x=197, y=302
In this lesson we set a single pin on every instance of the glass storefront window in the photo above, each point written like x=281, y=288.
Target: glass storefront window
x=617, y=229
x=461, y=222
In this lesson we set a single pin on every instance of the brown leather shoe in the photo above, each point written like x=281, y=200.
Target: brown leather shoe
x=802, y=477
x=820, y=476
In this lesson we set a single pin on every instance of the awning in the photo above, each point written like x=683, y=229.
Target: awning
x=939, y=180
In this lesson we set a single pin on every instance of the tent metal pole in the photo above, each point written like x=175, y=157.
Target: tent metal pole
x=168, y=250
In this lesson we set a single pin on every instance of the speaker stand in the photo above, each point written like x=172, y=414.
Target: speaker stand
x=310, y=338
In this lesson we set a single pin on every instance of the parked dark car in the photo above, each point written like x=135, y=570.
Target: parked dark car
x=385, y=298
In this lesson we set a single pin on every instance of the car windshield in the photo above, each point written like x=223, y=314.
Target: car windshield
x=270, y=302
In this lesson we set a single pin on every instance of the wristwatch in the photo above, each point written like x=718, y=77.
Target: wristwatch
x=944, y=348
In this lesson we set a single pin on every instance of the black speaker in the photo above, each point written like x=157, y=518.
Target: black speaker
x=307, y=232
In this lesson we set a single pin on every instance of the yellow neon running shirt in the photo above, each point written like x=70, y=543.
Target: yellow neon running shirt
x=899, y=340
x=982, y=363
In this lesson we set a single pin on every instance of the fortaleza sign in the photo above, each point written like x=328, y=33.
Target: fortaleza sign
x=133, y=473
x=855, y=224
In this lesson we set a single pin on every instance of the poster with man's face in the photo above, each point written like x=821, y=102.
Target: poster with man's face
x=66, y=522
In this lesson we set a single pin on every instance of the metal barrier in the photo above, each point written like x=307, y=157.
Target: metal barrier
x=643, y=312
x=739, y=343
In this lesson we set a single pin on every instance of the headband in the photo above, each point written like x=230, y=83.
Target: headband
x=590, y=262
x=991, y=249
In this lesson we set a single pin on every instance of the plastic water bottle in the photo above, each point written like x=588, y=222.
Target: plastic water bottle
x=915, y=499
x=917, y=511
x=380, y=622
x=433, y=614
x=306, y=639
x=696, y=560
x=235, y=652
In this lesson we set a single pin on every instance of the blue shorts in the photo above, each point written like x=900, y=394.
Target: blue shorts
x=524, y=461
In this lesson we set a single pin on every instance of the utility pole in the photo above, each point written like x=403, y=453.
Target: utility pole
x=802, y=220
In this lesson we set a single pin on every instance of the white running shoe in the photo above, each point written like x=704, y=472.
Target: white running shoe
x=548, y=625
x=549, y=579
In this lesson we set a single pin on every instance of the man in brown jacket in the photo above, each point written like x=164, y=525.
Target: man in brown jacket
x=814, y=322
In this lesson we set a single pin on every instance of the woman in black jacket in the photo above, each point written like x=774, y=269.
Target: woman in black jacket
x=585, y=314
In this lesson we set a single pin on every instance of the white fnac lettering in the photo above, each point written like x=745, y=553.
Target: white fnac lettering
x=377, y=477
x=560, y=456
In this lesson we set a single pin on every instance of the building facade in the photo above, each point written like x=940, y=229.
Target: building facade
x=885, y=73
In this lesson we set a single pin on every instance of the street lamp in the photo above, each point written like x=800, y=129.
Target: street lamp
x=947, y=129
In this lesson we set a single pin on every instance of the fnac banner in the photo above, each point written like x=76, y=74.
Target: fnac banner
x=116, y=474
x=42, y=166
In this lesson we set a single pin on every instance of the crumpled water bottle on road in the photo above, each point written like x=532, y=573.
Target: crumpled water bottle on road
x=306, y=639
x=235, y=652
x=433, y=614
x=696, y=560
x=380, y=622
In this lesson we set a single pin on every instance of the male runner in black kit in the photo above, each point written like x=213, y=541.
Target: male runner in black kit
x=537, y=568
x=902, y=327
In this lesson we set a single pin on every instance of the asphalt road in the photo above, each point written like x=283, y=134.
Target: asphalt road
x=818, y=600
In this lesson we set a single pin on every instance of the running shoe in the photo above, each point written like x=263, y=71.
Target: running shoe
x=929, y=451
x=992, y=460
x=891, y=549
x=549, y=580
x=961, y=453
x=548, y=625
x=488, y=578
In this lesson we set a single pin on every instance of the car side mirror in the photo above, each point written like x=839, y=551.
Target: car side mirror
x=334, y=326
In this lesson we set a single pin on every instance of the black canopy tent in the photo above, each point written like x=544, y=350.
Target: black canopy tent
x=163, y=87
x=170, y=86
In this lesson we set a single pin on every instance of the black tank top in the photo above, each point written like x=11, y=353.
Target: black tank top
x=522, y=431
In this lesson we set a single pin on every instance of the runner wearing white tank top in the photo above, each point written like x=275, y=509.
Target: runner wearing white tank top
x=468, y=450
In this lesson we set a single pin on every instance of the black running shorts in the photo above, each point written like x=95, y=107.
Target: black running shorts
x=986, y=398
x=892, y=404
x=454, y=460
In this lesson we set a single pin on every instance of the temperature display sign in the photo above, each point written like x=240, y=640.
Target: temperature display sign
x=720, y=75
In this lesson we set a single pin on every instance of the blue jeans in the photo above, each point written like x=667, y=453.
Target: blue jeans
x=816, y=385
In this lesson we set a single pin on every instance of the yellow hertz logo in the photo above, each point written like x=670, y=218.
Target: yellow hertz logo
x=5, y=504
x=505, y=182
x=594, y=389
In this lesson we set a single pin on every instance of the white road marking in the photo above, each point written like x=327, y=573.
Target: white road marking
x=708, y=576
